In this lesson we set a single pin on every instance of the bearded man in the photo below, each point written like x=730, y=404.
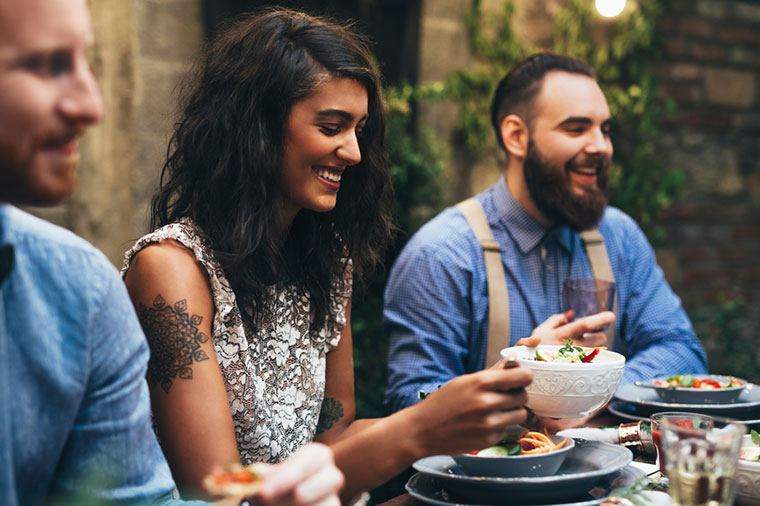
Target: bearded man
x=553, y=122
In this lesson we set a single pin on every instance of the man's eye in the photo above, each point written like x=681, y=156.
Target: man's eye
x=60, y=63
x=52, y=65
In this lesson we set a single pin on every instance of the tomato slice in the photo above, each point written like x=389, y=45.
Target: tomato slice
x=590, y=356
x=711, y=382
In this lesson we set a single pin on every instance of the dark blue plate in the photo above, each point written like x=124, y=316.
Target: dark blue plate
x=585, y=465
x=746, y=406
x=431, y=490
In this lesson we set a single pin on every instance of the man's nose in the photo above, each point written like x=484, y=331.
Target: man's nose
x=82, y=102
x=349, y=151
x=599, y=144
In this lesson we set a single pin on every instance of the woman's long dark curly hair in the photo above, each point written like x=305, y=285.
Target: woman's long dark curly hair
x=225, y=159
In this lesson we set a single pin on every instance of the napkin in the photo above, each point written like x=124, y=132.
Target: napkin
x=592, y=434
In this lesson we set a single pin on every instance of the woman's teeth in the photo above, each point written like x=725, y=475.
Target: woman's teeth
x=328, y=174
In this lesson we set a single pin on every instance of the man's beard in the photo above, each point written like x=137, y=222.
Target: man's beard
x=550, y=188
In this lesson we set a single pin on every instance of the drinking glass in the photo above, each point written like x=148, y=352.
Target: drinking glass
x=588, y=296
x=701, y=462
x=688, y=423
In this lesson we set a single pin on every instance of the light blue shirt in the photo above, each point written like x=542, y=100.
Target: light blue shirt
x=75, y=411
x=436, y=299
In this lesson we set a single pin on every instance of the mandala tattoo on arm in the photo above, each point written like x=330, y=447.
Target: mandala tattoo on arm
x=174, y=339
x=331, y=412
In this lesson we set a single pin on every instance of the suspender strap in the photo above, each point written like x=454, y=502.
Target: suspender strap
x=498, y=297
x=600, y=266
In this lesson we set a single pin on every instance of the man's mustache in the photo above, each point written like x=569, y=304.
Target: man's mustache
x=598, y=162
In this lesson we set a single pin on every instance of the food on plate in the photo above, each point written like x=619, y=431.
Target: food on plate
x=236, y=480
x=529, y=443
x=568, y=353
x=698, y=382
x=752, y=452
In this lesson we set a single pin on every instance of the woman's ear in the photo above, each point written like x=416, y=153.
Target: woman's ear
x=514, y=135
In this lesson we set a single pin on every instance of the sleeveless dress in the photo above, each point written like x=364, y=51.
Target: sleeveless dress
x=274, y=374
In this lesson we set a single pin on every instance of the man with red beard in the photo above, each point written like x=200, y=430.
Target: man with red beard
x=75, y=424
x=552, y=120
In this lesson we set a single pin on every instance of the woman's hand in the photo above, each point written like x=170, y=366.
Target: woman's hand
x=309, y=477
x=471, y=411
x=587, y=331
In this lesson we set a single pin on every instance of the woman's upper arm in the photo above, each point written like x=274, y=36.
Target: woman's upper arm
x=191, y=412
x=339, y=405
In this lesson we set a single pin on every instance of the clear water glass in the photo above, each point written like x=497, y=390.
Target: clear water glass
x=701, y=464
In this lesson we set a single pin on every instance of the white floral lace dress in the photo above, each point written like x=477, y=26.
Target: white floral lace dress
x=275, y=374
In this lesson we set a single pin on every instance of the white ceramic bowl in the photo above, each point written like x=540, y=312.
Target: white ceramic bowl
x=748, y=479
x=564, y=390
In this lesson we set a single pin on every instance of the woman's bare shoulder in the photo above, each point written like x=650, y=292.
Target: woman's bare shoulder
x=168, y=269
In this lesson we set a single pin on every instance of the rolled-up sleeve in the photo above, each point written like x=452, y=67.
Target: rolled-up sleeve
x=658, y=333
x=112, y=454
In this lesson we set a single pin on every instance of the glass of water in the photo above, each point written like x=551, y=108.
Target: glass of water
x=701, y=463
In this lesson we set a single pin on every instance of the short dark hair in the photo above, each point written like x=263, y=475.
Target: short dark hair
x=516, y=91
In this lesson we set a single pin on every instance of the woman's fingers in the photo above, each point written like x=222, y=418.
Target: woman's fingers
x=530, y=342
x=506, y=379
x=319, y=487
x=281, y=480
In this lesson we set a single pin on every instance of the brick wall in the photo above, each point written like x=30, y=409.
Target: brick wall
x=711, y=67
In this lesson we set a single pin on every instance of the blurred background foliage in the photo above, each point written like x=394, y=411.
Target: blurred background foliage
x=642, y=185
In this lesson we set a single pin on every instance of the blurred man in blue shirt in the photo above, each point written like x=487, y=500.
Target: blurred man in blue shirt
x=74, y=407
x=552, y=121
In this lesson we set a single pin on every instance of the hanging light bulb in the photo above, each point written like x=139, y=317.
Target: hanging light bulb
x=609, y=8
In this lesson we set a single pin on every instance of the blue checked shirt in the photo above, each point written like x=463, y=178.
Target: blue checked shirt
x=436, y=299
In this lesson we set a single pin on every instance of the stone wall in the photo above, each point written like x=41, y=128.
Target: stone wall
x=142, y=49
x=711, y=67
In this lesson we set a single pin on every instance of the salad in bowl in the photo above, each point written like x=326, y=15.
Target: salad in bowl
x=569, y=381
x=748, y=471
x=697, y=389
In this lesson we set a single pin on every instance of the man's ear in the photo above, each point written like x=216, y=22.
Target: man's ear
x=514, y=135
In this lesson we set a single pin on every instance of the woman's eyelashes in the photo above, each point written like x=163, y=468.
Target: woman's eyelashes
x=330, y=130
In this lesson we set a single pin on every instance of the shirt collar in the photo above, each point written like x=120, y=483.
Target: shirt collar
x=6, y=250
x=526, y=231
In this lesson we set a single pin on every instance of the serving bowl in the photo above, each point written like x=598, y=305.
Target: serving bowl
x=513, y=466
x=747, y=478
x=568, y=390
x=689, y=395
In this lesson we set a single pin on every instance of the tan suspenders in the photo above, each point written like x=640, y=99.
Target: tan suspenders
x=498, y=297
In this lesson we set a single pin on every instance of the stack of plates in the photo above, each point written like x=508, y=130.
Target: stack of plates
x=590, y=472
x=632, y=402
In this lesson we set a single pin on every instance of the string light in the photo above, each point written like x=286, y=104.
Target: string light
x=609, y=8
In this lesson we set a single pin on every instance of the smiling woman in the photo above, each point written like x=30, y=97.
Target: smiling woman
x=273, y=199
